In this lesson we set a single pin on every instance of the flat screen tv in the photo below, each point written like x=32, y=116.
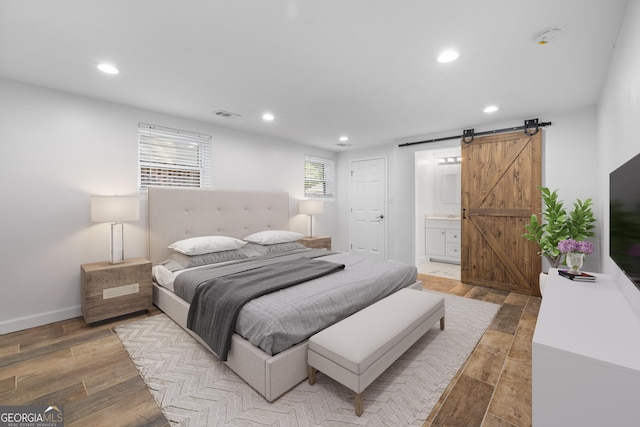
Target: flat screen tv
x=624, y=219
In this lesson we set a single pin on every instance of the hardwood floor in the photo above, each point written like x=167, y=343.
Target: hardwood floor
x=493, y=388
x=86, y=369
x=83, y=368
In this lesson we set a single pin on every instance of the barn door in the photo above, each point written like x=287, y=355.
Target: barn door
x=500, y=175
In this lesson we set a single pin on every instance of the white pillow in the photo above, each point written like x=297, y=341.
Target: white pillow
x=270, y=237
x=206, y=245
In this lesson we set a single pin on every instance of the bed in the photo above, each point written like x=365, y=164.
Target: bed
x=178, y=214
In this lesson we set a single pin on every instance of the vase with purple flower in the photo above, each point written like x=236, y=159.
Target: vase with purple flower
x=574, y=253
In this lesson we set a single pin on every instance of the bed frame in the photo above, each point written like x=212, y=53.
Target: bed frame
x=176, y=214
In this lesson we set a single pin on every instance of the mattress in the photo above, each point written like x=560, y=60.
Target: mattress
x=279, y=320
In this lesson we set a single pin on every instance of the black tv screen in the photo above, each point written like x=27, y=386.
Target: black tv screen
x=624, y=219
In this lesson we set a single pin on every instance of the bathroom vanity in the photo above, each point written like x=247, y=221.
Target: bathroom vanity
x=442, y=238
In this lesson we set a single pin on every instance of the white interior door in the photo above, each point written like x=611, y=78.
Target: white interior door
x=368, y=207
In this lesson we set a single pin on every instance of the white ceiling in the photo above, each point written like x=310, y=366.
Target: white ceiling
x=324, y=68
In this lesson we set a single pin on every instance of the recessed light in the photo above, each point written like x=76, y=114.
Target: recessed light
x=108, y=68
x=490, y=109
x=344, y=138
x=448, y=56
x=267, y=117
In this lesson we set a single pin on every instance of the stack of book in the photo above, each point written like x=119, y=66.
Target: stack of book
x=582, y=277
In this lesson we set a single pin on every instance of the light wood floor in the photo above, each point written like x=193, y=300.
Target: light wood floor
x=86, y=369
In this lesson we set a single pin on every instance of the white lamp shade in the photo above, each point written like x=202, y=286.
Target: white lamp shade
x=311, y=207
x=114, y=209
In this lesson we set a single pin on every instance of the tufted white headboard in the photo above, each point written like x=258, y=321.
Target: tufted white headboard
x=180, y=213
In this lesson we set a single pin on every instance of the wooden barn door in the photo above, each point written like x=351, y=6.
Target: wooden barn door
x=500, y=175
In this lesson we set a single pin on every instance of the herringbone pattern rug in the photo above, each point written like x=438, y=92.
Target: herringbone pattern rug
x=194, y=388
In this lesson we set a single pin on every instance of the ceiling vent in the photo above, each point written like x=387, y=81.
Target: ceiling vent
x=226, y=114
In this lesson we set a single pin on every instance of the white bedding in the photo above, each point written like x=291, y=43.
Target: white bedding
x=163, y=276
x=166, y=277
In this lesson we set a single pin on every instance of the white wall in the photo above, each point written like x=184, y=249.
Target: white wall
x=569, y=154
x=569, y=163
x=618, y=139
x=59, y=149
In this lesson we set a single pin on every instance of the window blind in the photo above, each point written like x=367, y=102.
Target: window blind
x=319, y=177
x=173, y=158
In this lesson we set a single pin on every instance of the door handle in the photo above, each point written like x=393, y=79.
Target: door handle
x=379, y=218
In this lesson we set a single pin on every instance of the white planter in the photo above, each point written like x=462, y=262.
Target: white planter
x=543, y=282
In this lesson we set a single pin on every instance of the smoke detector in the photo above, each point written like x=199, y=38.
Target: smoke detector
x=547, y=36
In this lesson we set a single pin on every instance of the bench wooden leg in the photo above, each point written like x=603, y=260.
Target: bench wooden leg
x=359, y=404
x=442, y=324
x=312, y=374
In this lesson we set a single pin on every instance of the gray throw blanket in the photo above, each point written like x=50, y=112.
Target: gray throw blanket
x=216, y=304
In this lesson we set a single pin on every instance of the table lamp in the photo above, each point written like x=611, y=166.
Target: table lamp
x=311, y=208
x=115, y=209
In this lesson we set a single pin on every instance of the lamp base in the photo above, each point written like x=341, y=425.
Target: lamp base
x=117, y=243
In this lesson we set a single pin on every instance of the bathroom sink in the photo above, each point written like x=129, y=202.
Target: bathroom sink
x=451, y=217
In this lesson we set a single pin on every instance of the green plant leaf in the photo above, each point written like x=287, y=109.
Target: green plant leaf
x=557, y=225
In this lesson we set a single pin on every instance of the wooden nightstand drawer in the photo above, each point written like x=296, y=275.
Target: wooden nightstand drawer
x=316, y=242
x=110, y=290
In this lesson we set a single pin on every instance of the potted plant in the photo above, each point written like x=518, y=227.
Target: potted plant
x=557, y=225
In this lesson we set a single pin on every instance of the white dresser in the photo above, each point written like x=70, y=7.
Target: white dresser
x=586, y=356
x=442, y=238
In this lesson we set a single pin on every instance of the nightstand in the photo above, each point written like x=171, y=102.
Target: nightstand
x=316, y=242
x=110, y=290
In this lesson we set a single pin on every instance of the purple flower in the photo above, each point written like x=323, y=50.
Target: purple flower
x=570, y=245
x=585, y=247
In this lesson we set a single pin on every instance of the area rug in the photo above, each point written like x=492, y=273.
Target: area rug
x=193, y=388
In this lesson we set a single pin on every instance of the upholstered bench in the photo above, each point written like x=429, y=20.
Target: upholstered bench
x=356, y=350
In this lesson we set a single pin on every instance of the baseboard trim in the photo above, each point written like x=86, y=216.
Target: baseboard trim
x=26, y=322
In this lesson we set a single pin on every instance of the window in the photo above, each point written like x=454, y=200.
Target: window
x=173, y=158
x=319, y=177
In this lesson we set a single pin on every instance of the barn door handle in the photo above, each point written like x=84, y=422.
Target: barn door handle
x=464, y=213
